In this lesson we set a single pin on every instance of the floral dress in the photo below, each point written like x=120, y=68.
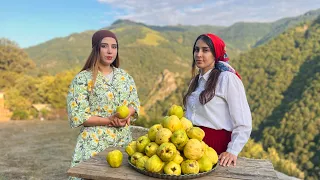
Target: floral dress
x=102, y=101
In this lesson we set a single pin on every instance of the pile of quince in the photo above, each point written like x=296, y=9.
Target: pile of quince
x=173, y=147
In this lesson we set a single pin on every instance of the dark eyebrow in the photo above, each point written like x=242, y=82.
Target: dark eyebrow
x=206, y=47
x=107, y=44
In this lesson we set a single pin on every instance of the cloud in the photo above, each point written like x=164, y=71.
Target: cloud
x=197, y=12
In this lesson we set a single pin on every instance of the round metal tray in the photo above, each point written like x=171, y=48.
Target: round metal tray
x=166, y=176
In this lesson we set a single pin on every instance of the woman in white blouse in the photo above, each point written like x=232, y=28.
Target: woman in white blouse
x=216, y=100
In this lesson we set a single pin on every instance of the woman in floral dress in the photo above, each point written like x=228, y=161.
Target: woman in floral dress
x=95, y=93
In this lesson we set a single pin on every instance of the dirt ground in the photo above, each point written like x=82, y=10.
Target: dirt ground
x=36, y=149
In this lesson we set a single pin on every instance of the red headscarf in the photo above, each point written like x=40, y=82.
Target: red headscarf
x=219, y=48
x=220, y=53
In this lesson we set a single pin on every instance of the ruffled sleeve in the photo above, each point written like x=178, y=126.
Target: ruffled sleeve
x=133, y=100
x=77, y=100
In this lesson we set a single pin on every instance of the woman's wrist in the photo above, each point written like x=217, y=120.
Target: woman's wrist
x=107, y=121
x=132, y=110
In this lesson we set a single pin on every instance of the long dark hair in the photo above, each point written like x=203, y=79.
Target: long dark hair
x=210, y=86
x=93, y=62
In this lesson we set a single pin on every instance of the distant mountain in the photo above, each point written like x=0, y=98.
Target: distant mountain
x=283, y=24
x=179, y=28
x=244, y=36
x=62, y=53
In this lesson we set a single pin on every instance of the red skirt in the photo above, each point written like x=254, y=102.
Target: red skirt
x=217, y=139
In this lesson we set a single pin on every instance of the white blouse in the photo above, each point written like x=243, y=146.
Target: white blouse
x=228, y=109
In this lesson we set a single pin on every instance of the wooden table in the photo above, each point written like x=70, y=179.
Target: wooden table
x=98, y=168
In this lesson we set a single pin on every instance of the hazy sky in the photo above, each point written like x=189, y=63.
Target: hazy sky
x=35, y=21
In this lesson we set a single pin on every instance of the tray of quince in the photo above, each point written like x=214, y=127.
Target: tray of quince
x=172, y=149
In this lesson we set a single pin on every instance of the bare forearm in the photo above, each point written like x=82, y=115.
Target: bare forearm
x=101, y=121
x=97, y=121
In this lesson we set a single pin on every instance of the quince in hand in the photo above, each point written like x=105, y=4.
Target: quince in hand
x=123, y=111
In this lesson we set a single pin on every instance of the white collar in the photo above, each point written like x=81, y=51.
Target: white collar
x=205, y=76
